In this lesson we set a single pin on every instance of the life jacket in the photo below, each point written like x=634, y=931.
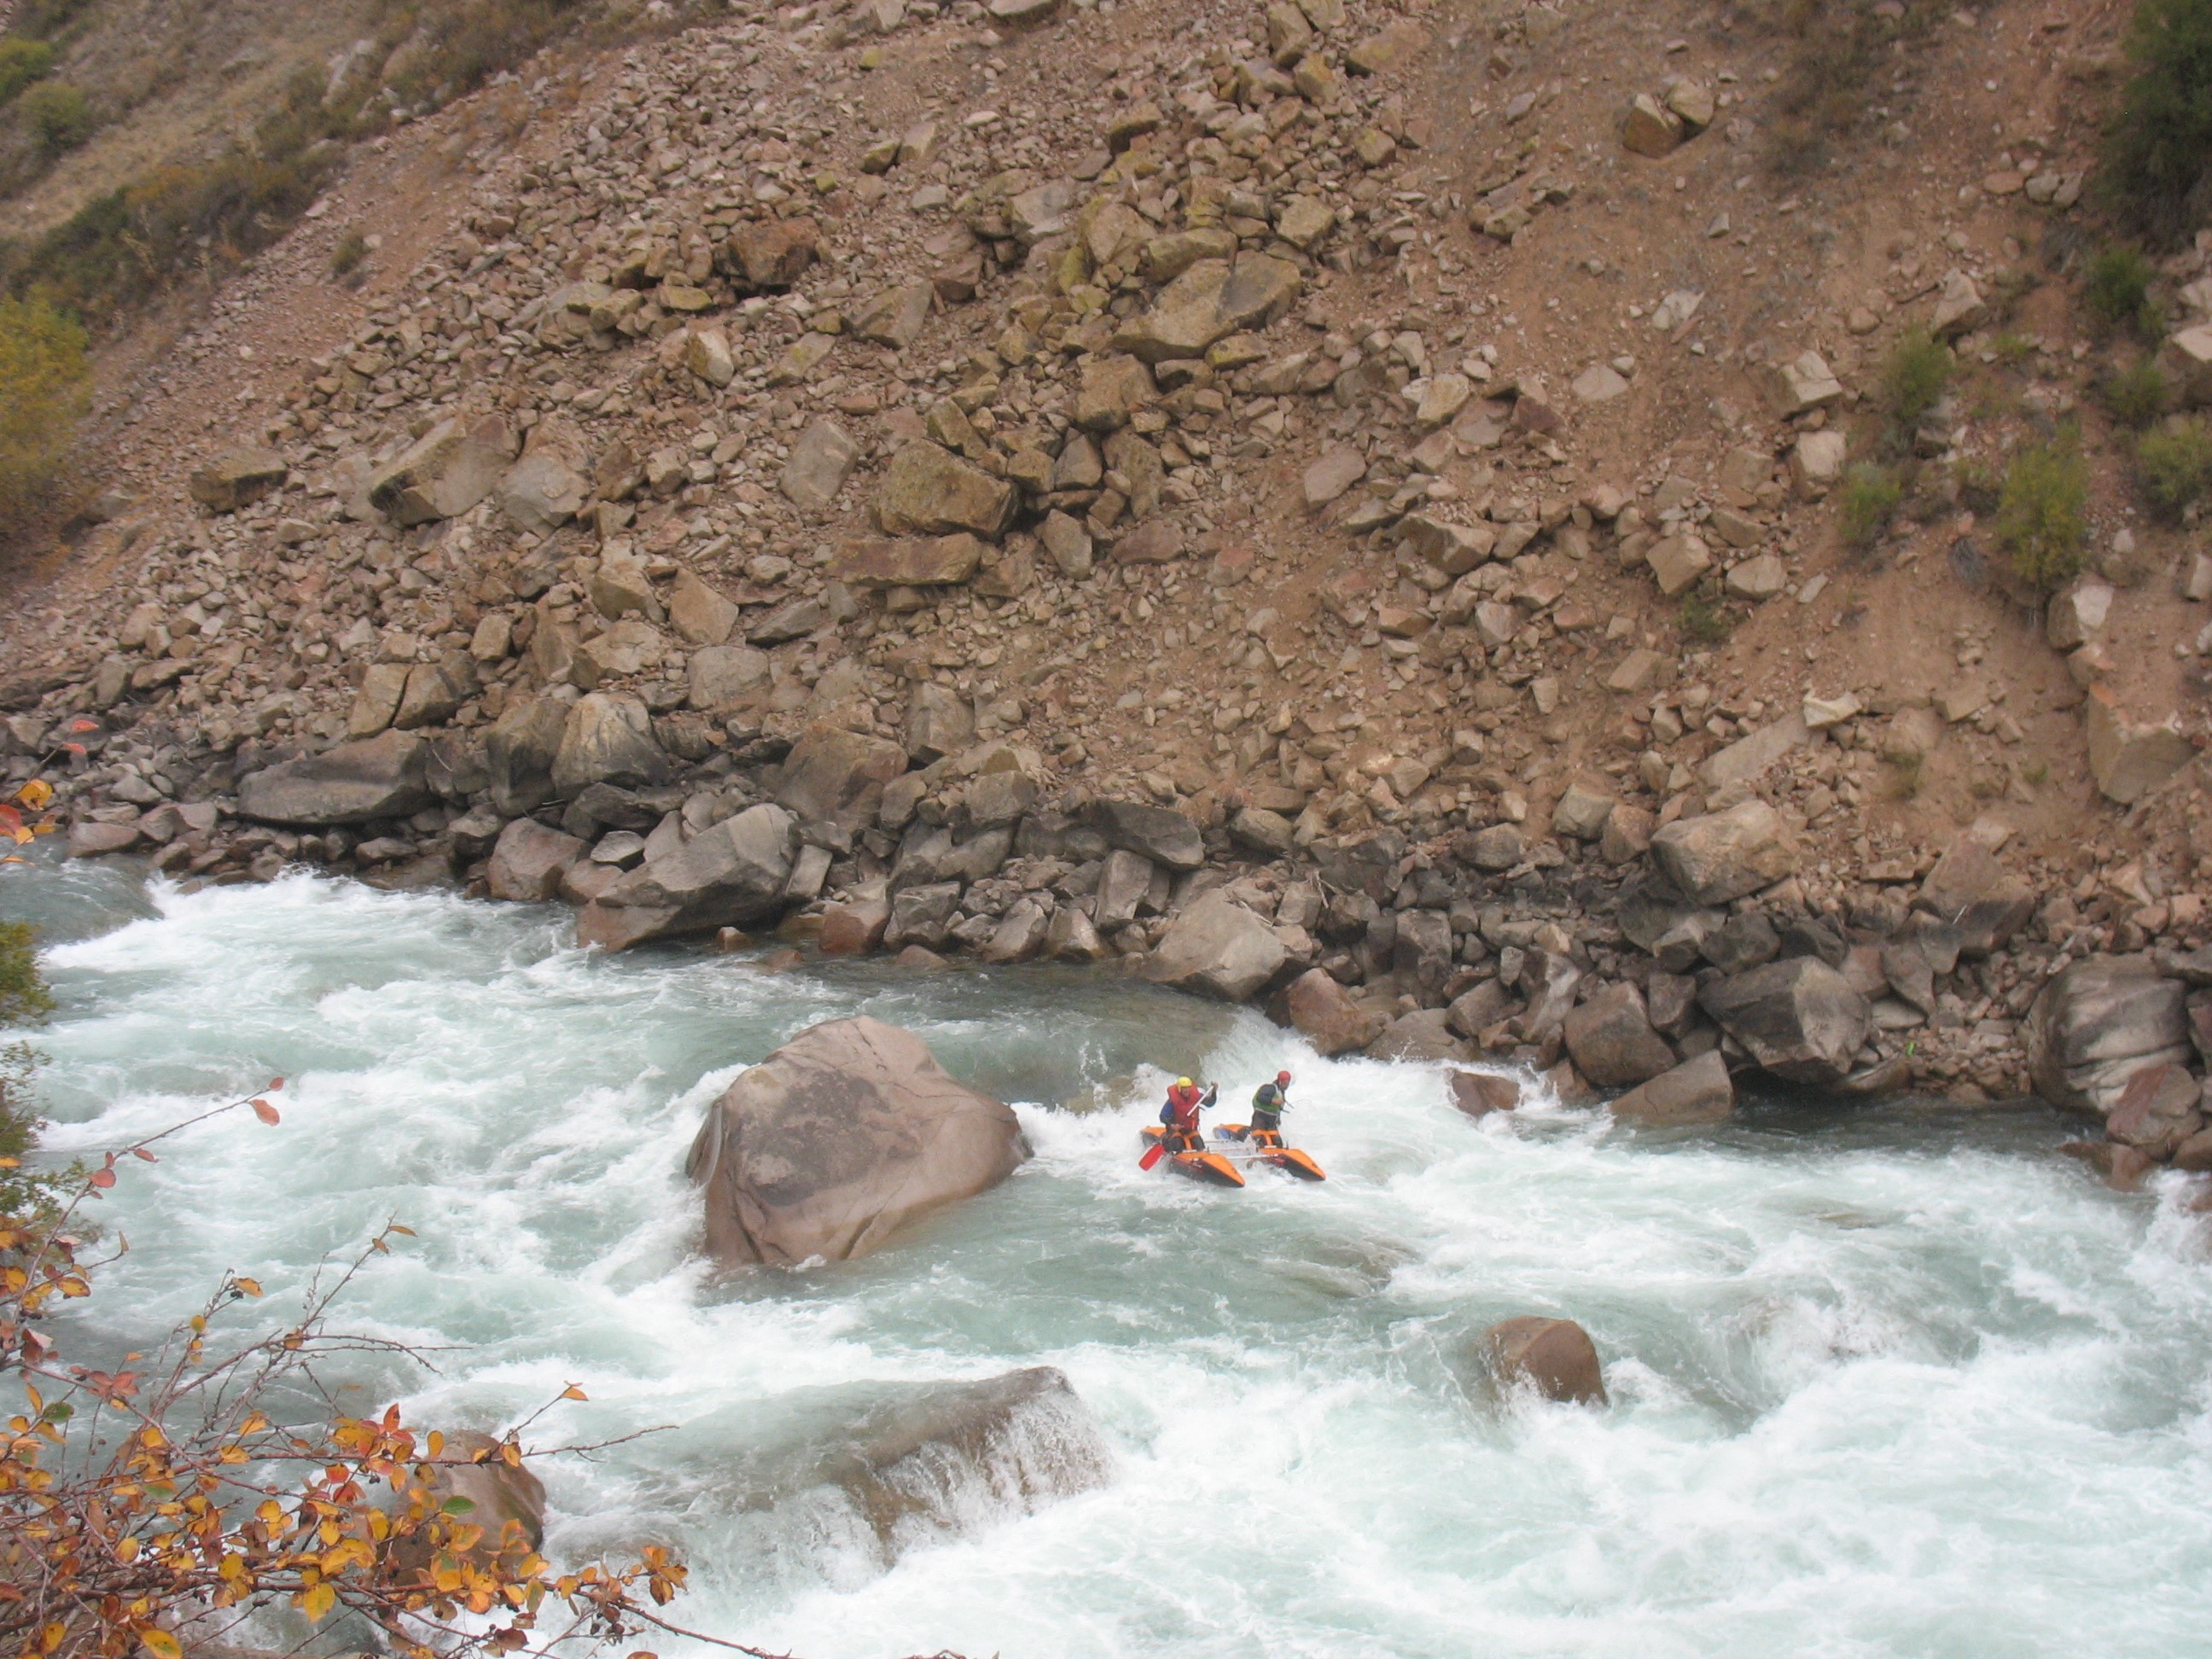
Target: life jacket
x=1181, y=1110
x=1267, y=1098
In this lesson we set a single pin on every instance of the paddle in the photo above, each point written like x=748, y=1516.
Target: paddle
x=1158, y=1149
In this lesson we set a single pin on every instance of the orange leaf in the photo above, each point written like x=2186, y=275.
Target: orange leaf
x=11, y=821
x=140, y=1151
x=274, y=1084
x=572, y=1392
x=266, y=1112
x=250, y=1286
x=103, y=1178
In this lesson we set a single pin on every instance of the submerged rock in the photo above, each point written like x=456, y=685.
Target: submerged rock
x=1554, y=1357
x=836, y=1140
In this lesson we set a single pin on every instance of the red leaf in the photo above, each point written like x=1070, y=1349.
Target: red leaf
x=10, y=819
x=103, y=1178
x=266, y=1112
x=274, y=1084
x=81, y=724
x=75, y=748
x=140, y=1151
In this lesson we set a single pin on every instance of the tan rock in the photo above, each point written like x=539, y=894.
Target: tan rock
x=929, y=490
x=2130, y=757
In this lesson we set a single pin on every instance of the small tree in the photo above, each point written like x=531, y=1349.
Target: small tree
x=43, y=380
x=2158, y=148
x=22, y=62
x=2173, y=465
x=59, y=115
x=2043, y=513
x=1913, y=379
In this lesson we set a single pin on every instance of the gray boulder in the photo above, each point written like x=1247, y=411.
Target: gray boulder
x=845, y=1133
x=1160, y=833
x=1970, y=891
x=837, y=775
x=1696, y=1091
x=381, y=777
x=1218, y=948
x=529, y=860
x=445, y=472
x=608, y=738
x=940, y=721
x=1724, y=855
x=732, y=874
x=519, y=751
x=1324, y=1012
x=2100, y=1021
x=1611, y=1041
x=1799, y=1020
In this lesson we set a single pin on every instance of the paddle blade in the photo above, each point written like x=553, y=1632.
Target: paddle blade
x=1153, y=1153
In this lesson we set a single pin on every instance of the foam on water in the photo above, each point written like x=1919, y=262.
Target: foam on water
x=1881, y=1385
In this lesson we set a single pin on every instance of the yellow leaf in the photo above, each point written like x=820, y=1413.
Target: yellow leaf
x=250, y=1286
x=160, y=1644
x=36, y=794
x=318, y=1601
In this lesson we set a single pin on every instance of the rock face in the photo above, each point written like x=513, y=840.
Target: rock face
x=1724, y=855
x=380, y=778
x=1218, y=948
x=1611, y=1040
x=845, y=1133
x=2100, y=1021
x=1798, y=1019
x=1553, y=1356
x=1696, y=1091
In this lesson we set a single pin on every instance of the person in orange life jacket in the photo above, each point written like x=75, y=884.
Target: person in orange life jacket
x=1180, y=1115
x=1268, y=1103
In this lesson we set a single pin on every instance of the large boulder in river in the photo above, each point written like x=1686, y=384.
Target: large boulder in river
x=1798, y=1019
x=608, y=738
x=1159, y=833
x=382, y=777
x=1218, y=948
x=1698, y=1091
x=1611, y=1040
x=831, y=1144
x=1724, y=855
x=731, y=874
x=1554, y=1357
x=1324, y=1014
x=2100, y=1021
x=835, y=774
x=528, y=860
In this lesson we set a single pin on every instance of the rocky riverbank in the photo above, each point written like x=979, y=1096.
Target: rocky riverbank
x=1133, y=519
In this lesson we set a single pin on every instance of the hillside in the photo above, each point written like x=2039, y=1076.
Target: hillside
x=1479, y=423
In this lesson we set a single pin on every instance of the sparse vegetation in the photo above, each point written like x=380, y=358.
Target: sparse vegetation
x=58, y=114
x=1914, y=380
x=346, y=258
x=2157, y=174
x=1869, y=498
x=2012, y=348
x=2174, y=466
x=22, y=62
x=1705, y=619
x=1841, y=46
x=2135, y=394
x=2117, y=289
x=2042, y=519
x=43, y=380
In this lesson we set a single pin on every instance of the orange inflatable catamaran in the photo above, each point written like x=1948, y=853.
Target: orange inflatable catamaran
x=1232, y=1149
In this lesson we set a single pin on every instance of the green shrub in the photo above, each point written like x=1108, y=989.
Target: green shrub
x=2042, y=519
x=346, y=257
x=2173, y=465
x=1870, y=497
x=43, y=380
x=1705, y=619
x=58, y=116
x=2117, y=289
x=1913, y=380
x=2135, y=395
x=22, y=62
x=2157, y=174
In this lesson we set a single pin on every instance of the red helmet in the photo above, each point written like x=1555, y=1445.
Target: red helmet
x=1282, y=1077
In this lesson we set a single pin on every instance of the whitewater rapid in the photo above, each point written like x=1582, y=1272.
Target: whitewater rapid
x=1883, y=1383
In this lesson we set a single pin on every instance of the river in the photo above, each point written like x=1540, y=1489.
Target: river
x=1884, y=1381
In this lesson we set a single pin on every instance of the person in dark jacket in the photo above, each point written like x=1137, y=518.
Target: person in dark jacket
x=1269, y=1104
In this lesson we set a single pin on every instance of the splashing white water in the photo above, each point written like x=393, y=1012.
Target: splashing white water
x=1881, y=1386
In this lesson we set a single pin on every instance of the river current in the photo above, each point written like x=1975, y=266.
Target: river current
x=1884, y=1381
